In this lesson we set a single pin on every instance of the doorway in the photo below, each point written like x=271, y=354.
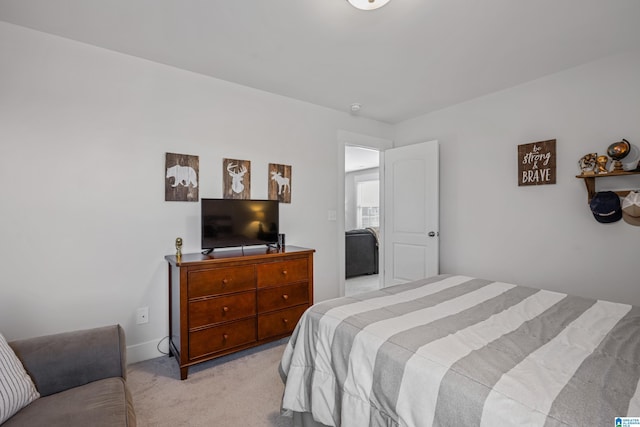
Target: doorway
x=409, y=237
x=362, y=220
x=344, y=139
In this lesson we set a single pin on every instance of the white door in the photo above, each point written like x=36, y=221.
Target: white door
x=411, y=222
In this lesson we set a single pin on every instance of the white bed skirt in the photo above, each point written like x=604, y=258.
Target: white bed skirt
x=305, y=419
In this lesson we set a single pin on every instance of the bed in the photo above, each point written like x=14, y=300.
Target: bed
x=453, y=350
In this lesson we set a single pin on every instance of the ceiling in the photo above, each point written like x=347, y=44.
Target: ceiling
x=405, y=59
x=358, y=158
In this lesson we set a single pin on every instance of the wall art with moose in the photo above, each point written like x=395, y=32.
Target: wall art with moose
x=181, y=178
x=236, y=181
x=280, y=183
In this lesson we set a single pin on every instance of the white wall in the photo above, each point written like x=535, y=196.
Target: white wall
x=83, y=137
x=84, y=224
x=541, y=236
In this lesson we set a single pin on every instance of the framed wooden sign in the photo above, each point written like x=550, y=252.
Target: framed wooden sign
x=280, y=182
x=181, y=178
x=537, y=163
x=236, y=181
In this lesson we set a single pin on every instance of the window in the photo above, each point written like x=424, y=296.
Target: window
x=368, y=201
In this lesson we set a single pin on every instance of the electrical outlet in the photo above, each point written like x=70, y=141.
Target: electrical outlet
x=142, y=315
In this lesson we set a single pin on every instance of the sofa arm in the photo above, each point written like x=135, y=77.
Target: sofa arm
x=63, y=361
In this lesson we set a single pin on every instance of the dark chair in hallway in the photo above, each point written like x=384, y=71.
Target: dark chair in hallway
x=361, y=253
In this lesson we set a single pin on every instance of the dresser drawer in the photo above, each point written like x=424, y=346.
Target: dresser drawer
x=283, y=272
x=220, y=281
x=221, y=309
x=279, y=323
x=223, y=337
x=279, y=297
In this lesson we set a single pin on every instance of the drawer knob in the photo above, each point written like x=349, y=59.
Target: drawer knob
x=284, y=272
x=285, y=321
x=225, y=309
x=225, y=281
x=225, y=336
x=285, y=297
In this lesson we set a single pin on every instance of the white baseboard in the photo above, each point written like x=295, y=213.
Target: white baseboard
x=146, y=350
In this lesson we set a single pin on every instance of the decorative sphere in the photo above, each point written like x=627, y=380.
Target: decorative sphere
x=619, y=150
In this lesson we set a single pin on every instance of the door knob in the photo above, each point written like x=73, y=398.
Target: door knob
x=432, y=234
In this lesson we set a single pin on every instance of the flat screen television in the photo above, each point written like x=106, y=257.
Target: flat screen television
x=234, y=222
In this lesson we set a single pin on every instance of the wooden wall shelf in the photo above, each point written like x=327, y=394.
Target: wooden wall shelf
x=590, y=181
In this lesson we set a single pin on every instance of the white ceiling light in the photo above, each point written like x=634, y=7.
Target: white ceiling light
x=368, y=4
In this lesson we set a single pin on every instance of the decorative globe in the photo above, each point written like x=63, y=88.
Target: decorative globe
x=619, y=150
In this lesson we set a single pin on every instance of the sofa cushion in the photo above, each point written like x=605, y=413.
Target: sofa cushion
x=103, y=403
x=62, y=361
x=16, y=388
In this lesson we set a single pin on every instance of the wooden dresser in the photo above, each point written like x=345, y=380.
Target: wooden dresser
x=231, y=300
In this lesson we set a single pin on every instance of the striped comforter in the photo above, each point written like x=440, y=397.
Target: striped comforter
x=460, y=351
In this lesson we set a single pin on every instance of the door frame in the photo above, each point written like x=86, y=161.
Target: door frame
x=346, y=138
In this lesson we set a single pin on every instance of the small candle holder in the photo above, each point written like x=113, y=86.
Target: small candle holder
x=179, y=248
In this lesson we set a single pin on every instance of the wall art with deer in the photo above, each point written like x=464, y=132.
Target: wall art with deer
x=236, y=181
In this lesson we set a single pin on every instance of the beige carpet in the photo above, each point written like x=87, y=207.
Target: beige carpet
x=240, y=390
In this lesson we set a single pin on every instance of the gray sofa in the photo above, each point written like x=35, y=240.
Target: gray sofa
x=361, y=252
x=81, y=377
